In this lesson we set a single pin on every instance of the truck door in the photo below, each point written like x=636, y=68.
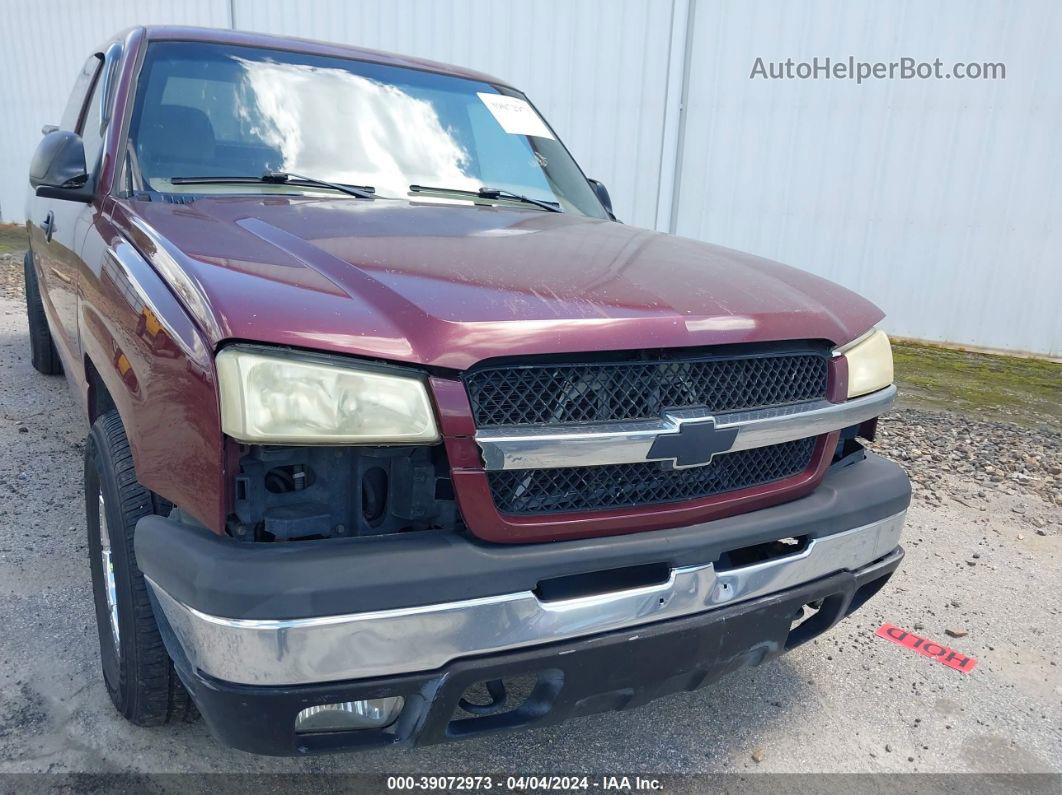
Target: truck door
x=58, y=227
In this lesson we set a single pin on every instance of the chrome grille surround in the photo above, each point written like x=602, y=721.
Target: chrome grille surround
x=574, y=437
x=544, y=447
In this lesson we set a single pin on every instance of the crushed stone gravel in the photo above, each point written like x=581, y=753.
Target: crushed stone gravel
x=11, y=280
x=940, y=450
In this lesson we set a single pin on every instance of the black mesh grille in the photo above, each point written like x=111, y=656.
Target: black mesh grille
x=578, y=393
x=526, y=491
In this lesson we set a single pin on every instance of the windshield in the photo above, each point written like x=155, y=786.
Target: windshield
x=216, y=110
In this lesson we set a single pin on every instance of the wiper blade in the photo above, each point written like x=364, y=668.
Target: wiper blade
x=280, y=178
x=489, y=193
x=496, y=193
x=286, y=177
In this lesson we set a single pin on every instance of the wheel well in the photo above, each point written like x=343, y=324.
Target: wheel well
x=99, y=398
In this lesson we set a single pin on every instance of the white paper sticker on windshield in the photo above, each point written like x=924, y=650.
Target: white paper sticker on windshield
x=515, y=115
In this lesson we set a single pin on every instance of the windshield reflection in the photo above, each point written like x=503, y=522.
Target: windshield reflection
x=219, y=111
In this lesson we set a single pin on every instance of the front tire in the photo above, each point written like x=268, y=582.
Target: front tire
x=138, y=672
x=44, y=356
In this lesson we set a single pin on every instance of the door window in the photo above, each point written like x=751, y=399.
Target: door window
x=86, y=79
x=91, y=119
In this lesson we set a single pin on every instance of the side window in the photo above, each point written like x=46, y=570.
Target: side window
x=86, y=78
x=89, y=129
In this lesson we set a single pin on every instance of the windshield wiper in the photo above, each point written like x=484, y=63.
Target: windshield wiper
x=489, y=193
x=280, y=178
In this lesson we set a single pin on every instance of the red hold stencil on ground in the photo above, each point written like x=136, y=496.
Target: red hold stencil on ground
x=927, y=648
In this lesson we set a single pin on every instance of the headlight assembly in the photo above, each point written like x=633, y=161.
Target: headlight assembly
x=869, y=363
x=287, y=398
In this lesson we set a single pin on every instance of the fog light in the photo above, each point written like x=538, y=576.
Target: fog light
x=375, y=713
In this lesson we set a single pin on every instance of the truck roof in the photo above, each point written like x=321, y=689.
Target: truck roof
x=294, y=44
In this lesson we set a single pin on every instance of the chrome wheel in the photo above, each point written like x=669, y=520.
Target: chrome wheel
x=108, y=570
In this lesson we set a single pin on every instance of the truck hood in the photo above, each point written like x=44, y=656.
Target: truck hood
x=452, y=284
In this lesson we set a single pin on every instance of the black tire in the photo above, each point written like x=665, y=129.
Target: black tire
x=44, y=356
x=138, y=672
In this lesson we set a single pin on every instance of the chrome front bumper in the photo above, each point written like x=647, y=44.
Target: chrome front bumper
x=388, y=642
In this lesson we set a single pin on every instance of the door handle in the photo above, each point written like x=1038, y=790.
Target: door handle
x=48, y=226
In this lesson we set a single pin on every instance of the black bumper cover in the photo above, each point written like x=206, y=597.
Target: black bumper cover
x=612, y=671
x=223, y=577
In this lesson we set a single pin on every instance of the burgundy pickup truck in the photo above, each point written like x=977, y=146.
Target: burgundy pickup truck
x=398, y=435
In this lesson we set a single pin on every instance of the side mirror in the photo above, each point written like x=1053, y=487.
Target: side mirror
x=602, y=195
x=58, y=170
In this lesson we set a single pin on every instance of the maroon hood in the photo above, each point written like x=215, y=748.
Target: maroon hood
x=450, y=285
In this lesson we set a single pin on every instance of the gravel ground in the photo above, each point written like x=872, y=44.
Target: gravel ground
x=984, y=564
x=938, y=449
x=12, y=283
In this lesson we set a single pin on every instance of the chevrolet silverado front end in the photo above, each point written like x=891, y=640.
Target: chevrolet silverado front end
x=398, y=436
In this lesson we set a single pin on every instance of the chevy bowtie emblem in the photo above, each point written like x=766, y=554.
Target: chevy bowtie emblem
x=693, y=444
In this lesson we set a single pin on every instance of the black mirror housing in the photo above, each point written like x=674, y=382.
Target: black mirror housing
x=58, y=166
x=602, y=196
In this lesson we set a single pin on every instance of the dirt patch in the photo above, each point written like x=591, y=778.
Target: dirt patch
x=21, y=711
x=13, y=239
x=12, y=283
x=989, y=753
x=13, y=245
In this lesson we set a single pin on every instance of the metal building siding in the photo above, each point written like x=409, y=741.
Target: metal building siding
x=596, y=69
x=938, y=199
x=45, y=45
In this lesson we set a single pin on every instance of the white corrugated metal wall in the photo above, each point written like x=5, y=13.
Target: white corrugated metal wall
x=43, y=44
x=594, y=68
x=939, y=200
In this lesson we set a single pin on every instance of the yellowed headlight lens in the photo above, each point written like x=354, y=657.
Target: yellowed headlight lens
x=869, y=363
x=286, y=400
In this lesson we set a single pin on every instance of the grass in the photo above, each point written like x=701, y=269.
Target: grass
x=13, y=239
x=1023, y=391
